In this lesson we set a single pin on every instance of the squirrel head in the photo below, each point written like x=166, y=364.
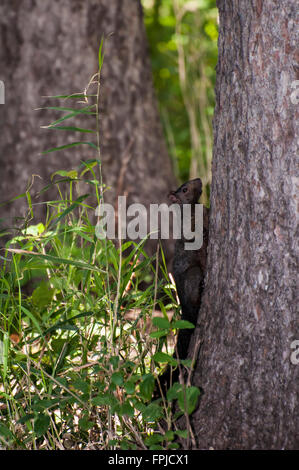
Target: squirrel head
x=188, y=193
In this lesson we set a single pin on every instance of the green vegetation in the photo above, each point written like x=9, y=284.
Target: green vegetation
x=80, y=347
x=183, y=46
x=81, y=344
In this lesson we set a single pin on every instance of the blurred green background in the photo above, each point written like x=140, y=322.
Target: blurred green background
x=182, y=38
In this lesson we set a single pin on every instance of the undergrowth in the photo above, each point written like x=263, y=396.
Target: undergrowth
x=82, y=339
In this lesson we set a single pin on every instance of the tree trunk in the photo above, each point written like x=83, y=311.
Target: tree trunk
x=50, y=48
x=248, y=318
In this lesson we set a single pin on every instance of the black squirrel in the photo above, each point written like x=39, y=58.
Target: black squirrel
x=189, y=268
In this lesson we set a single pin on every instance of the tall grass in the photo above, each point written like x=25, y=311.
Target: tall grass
x=183, y=46
x=81, y=340
x=195, y=87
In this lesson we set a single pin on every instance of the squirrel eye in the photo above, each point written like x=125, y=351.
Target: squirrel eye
x=185, y=190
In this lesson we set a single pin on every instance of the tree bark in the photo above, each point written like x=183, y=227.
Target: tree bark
x=248, y=318
x=50, y=48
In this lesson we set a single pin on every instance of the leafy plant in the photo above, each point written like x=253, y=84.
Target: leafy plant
x=79, y=356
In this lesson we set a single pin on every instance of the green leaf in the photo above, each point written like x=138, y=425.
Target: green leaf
x=126, y=409
x=153, y=439
x=81, y=385
x=174, y=445
x=33, y=319
x=163, y=357
x=152, y=412
x=100, y=400
x=112, y=442
x=117, y=378
x=5, y=432
x=114, y=360
x=73, y=95
x=72, y=174
x=101, y=54
x=124, y=445
x=26, y=418
x=186, y=362
x=89, y=164
x=169, y=436
x=73, y=112
x=33, y=230
x=147, y=386
x=140, y=407
x=67, y=146
x=63, y=325
x=44, y=404
x=85, y=424
x=130, y=387
x=63, y=108
x=12, y=200
x=105, y=399
x=188, y=398
x=70, y=208
x=42, y=296
x=54, y=259
x=41, y=424
x=162, y=323
x=182, y=324
x=159, y=334
x=70, y=128
x=172, y=393
x=182, y=433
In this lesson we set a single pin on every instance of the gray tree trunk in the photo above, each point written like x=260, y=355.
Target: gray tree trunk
x=50, y=48
x=249, y=319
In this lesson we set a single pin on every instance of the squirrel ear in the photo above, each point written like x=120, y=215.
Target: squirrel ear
x=172, y=197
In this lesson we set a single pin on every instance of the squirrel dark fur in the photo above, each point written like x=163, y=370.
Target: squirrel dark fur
x=189, y=268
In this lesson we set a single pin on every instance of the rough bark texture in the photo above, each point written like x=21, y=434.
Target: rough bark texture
x=50, y=48
x=248, y=318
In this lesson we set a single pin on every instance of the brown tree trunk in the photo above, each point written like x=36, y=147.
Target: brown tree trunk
x=248, y=319
x=50, y=48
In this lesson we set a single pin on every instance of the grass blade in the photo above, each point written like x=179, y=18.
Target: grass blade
x=63, y=108
x=70, y=208
x=57, y=260
x=73, y=96
x=32, y=318
x=74, y=144
x=69, y=128
x=72, y=114
x=101, y=55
